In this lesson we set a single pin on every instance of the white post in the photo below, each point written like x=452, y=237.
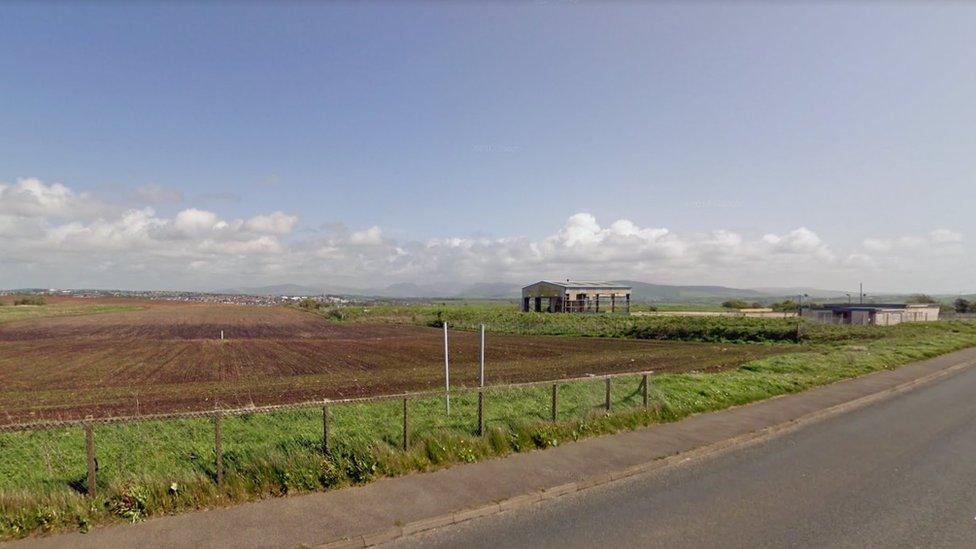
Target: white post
x=447, y=374
x=481, y=376
x=221, y=335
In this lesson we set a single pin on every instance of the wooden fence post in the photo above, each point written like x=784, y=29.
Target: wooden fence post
x=481, y=412
x=644, y=389
x=406, y=424
x=607, y=403
x=326, y=419
x=90, y=456
x=555, y=401
x=218, y=450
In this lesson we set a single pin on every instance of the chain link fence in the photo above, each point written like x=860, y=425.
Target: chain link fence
x=242, y=446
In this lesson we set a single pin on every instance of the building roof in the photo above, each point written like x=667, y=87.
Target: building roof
x=584, y=284
x=873, y=306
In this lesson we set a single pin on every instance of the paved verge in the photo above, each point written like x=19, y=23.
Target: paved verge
x=389, y=508
x=898, y=473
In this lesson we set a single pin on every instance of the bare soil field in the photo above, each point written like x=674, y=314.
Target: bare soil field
x=168, y=356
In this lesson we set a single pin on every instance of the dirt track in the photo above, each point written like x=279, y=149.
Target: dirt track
x=169, y=357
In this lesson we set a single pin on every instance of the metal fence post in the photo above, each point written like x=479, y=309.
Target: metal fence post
x=218, y=450
x=555, y=401
x=644, y=389
x=406, y=424
x=607, y=403
x=90, y=456
x=326, y=418
x=481, y=412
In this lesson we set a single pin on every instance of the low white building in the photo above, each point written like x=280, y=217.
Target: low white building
x=876, y=314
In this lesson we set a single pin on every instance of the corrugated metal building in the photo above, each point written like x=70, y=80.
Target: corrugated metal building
x=573, y=296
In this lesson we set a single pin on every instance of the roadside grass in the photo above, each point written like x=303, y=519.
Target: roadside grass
x=10, y=313
x=166, y=466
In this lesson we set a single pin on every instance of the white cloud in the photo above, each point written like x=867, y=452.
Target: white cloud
x=195, y=222
x=372, y=236
x=274, y=223
x=945, y=236
x=52, y=235
x=32, y=198
x=938, y=239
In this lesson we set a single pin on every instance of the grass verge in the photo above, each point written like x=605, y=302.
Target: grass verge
x=158, y=467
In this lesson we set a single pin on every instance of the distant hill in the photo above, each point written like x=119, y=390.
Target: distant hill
x=796, y=290
x=289, y=289
x=643, y=291
x=492, y=290
x=407, y=290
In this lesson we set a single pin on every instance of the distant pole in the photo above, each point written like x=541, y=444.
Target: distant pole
x=861, y=294
x=447, y=374
x=221, y=335
x=799, y=316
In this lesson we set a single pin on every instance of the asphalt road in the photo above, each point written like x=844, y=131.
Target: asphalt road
x=899, y=473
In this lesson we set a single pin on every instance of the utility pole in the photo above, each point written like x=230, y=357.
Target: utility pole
x=861, y=293
x=799, y=315
x=481, y=376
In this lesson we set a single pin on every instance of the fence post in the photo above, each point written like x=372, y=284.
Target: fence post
x=326, y=419
x=481, y=412
x=555, y=402
x=218, y=450
x=607, y=403
x=644, y=389
x=406, y=424
x=90, y=457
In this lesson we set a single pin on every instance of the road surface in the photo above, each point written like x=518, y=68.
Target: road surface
x=899, y=473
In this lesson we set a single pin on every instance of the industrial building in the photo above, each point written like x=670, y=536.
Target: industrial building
x=877, y=314
x=576, y=297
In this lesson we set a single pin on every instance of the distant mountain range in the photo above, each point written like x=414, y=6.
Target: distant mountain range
x=643, y=291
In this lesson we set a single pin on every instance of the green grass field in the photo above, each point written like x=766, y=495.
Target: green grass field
x=505, y=317
x=10, y=313
x=166, y=466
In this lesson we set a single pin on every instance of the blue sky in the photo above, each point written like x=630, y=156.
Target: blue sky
x=479, y=131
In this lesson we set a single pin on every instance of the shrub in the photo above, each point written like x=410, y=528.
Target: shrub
x=924, y=299
x=30, y=300
x=309, y=304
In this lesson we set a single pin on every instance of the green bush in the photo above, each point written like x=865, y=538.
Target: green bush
x=30, y=300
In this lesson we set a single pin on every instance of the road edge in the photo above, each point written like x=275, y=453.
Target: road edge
x=393, y=533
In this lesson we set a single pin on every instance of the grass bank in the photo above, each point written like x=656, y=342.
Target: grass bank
x=158, y=467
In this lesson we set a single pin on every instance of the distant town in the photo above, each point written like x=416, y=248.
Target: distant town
x=188, y=297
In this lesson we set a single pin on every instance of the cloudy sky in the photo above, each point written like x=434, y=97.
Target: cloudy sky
x=189, y=147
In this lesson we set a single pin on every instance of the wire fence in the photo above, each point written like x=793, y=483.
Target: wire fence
x=86, y=456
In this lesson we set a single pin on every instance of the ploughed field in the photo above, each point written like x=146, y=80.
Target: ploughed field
x=166, y=357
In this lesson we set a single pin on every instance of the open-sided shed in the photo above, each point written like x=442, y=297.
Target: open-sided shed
x=573, y=296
